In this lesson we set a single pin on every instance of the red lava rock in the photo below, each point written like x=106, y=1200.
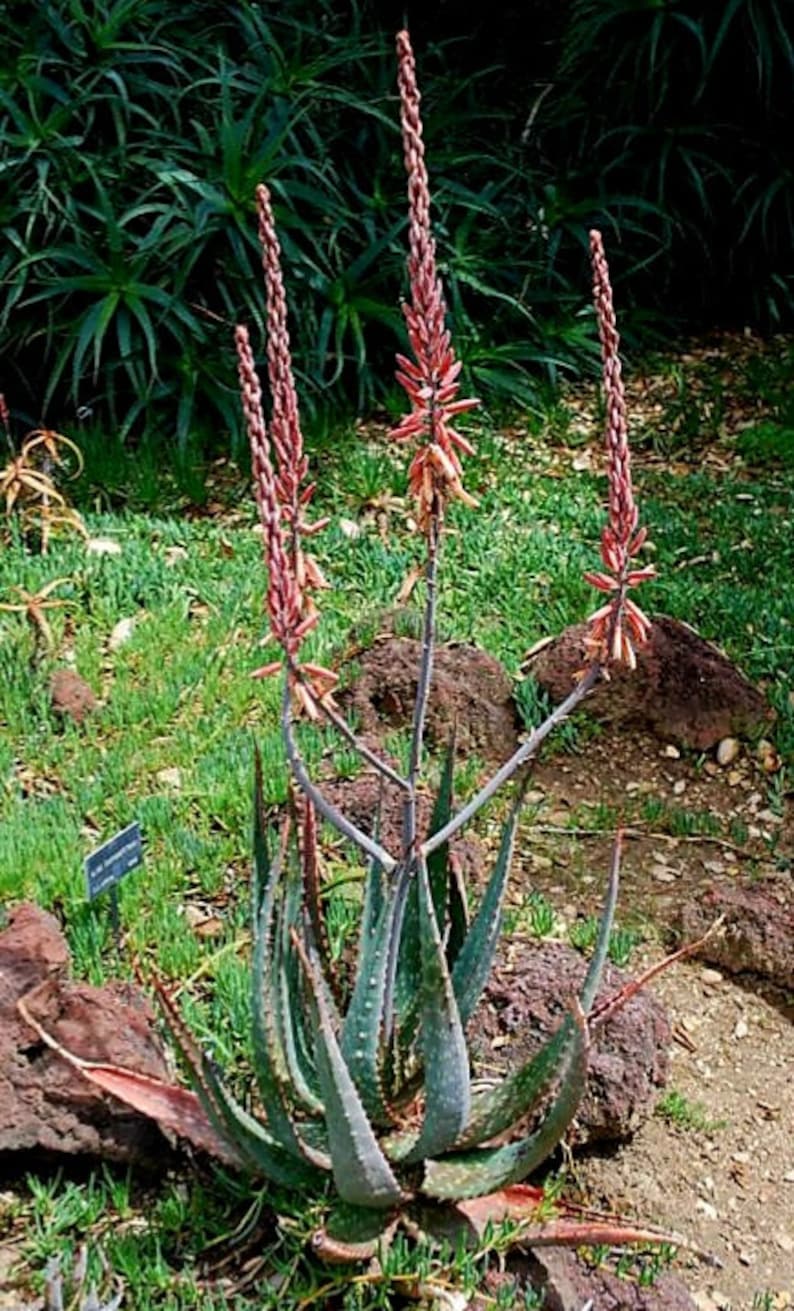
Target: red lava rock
x=759, y=927
x=569, y=1284
x=71, y=696
x=45, y=1104
x=683, y=690
x=526, y=1001
x=470, y=690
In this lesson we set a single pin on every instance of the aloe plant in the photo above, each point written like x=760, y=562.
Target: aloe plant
x=364, y=1078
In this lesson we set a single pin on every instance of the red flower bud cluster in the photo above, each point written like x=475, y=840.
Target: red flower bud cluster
x=280, y=495
x=285, y=428
x=431, y=378
x=618, y=627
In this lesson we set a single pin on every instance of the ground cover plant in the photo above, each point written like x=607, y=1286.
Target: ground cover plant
x=149, y=575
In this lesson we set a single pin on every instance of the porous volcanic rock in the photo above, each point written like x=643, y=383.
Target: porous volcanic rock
x=470, y=691
x=570, y=1284
x=525, y=1002
x=70, y=695
x=683, y=690
x=45, y=1104
x=758, y=935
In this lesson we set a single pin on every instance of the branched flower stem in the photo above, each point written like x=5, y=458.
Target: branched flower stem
x=524, y=752
x=323, y=806
x=424, y=679
x=323, y=707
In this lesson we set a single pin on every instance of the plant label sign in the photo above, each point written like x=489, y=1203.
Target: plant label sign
x=106, y=866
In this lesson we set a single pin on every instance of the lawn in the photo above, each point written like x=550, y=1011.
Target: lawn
x=167, y=631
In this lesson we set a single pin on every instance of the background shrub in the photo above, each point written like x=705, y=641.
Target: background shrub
x=132, y=136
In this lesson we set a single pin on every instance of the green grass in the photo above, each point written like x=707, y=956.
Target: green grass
x=169, y=1260
x=178, y=696
x=679, y=1111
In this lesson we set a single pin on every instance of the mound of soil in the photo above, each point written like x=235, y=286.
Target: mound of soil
x=684, y=690
x=471, y=693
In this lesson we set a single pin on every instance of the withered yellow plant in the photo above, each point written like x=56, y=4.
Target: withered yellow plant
x=28, y=489
x=33, y=605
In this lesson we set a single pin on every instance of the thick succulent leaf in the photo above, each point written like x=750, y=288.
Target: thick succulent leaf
x=353, y=1234
x=362, y=1174
x=270, y=1062
x=471, y=1174
x=375, y=886
x=310, y=875
x=271, y=1067
x=592, y=981
x=258, y=1148
x=438, y=861
x=475, y=958
x=362, y=1033
x=444, y=1052
x=292, y=1012
x=457, y=910
x=495, y=1111
x=263, y=1151
x=407, y=951
x=261, y=870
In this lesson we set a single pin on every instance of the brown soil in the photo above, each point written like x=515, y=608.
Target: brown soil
x=729, y=1189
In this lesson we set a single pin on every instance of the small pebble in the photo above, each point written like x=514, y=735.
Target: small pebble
x=707, y=1209
x=727, y=751
x=671, y=752
x=785, y=1242
x=121, y=633
x=102, y=546
x=710, y=976
x=742, y=1029
x=679, y=786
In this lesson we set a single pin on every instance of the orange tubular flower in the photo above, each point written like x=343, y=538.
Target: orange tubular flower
x=618, y=628
x=430, y=379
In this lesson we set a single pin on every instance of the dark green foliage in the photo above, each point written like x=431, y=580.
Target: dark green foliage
x=676, y=119
x=132, y=140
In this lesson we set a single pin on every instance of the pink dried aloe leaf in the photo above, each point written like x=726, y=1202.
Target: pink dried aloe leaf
x=430, y=379
x=620, y=627
x=175, y=1109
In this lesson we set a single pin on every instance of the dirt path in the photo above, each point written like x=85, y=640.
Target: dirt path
x=727, y=1184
